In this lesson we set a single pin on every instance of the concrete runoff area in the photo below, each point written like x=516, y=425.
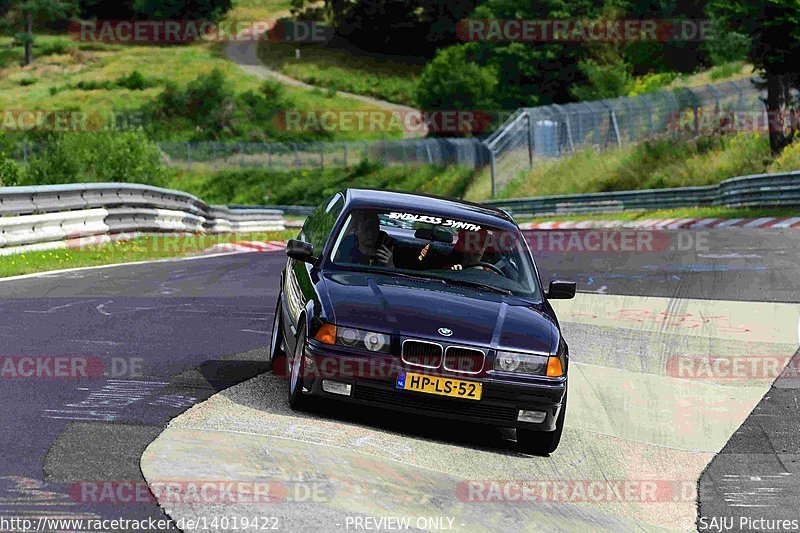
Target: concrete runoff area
x=635, y=445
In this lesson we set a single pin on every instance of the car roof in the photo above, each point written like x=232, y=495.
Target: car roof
x=427, y=204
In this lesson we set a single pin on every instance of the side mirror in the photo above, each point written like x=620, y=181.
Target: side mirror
x=300, y=251
x=561, y=290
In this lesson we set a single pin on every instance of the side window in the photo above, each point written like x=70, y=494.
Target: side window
x=319, y=224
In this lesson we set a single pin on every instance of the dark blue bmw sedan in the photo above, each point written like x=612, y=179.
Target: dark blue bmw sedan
x=425, y=305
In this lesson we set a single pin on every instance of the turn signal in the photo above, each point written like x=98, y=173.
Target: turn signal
x=327, y=334
x=554, y=369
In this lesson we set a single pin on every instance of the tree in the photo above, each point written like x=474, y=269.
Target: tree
x=182, y=9
x=29, y=11
x=533, y=73
x=404, y=27
x=452, y=81
x=774, y=29
x=154, y=9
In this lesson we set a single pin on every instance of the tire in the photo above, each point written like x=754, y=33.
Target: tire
x=276, y=351
x=295, y=369
x=542, y=442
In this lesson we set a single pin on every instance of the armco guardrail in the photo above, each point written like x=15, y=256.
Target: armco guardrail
x=56, y=216
x=291, y=210
x=762, y=190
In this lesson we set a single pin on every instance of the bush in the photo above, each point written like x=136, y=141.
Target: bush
x=605, y=80
x=725, y=70
x=789, y=160
x=50, y=47
x=9, y=171
x=94, y=85
x=452, y=80
x=96, y=157
x=207, y=102
x=135, y=81
x=209, y=107
x=651, y=83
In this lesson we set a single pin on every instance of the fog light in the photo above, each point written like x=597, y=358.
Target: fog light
x=336, y=387
x=536, y=417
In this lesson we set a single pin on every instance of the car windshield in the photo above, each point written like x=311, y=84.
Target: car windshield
x=459, y=252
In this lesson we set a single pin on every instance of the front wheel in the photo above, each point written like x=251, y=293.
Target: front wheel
x=295, y=370
x=542, y=442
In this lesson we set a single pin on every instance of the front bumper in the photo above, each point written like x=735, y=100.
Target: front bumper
x=373, y=381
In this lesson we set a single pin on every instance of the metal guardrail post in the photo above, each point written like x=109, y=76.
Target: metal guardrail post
x=494, y=174
x=530, y=140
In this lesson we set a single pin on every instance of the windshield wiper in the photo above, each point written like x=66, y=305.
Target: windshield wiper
x=478, y=285
x=397, y=273
x=445, y=280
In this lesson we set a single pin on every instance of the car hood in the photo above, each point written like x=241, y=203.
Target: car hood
x=419, y=308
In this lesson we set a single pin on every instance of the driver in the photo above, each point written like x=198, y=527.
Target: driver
x=367, y=244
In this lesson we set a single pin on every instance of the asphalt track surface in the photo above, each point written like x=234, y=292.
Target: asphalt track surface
x=191, y=328
x=201, y=326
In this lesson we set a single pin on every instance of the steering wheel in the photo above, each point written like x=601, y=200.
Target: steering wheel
x=484, y=264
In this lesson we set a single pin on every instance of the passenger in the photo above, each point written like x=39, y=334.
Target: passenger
x=366, y=244
x=470, y=249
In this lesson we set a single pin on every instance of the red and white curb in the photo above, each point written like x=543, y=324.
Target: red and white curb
x=670, y=223
x=247, y=247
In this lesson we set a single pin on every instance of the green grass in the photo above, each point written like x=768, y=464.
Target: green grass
x=649, y=165
x=387, y=78
x=663, y=214
x=258, y=10
x=50, y=82
x=145, y=248
x=735, y=70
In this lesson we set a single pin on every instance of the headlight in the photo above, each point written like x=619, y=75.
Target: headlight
x=528, y=363
x=358, y=338
x=376, y=342
x=348, y=337
x=354, y=338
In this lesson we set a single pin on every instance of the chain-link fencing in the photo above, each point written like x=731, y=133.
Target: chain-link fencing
x=534, y=134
